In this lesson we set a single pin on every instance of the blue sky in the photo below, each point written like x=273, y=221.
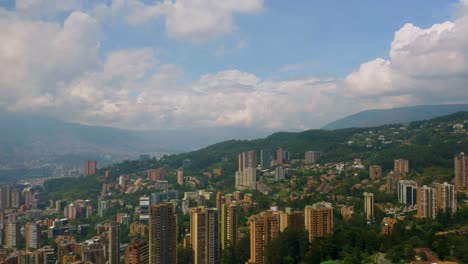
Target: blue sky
x=330, y=38
x=275, y=64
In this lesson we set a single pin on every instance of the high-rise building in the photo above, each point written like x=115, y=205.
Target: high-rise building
x=13, y=235
x=162, y=186
x=157, y=174
x=180, y=177
x=264, y=227
x=137, y=252
x=144, y=209
x=33, y=235
x=219, y=200
x=407, y=192
x=375, y=172
x=5, y=196
x=291, y=219
x=15, y=199
x=446, y=198
x=392, y=181
x=280, y=174
x=246, y=175
x=229, y=224
x=163, y=234
x=319, y=220
x=279, y=156
x=312, y=157
x=461, y=171
x=264, y=159
x=401, y=166
x=204, y=235
x=90, y=167
x=103, y=206
x=369, y=206
x=426, y=201
x=114, y=243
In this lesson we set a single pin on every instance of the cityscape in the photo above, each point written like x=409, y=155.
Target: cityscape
x=233, y=132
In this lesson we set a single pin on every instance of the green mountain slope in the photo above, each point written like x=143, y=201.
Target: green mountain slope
x=403, y=115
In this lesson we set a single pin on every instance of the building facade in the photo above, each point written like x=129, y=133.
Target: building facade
x=205, y=235
x=264, y=227
x=461, y=171
x=369, y=206
x=163, y=234
x=90, y=167
x=319, y=220
x=426, y=201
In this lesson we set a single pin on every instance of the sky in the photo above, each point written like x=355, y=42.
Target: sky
x=264, y=64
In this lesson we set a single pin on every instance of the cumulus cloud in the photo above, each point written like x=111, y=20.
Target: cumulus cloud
x=54, y=68
x=196, y=20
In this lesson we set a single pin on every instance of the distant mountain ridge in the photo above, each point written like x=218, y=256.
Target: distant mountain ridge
x=401, y=115
x=28, y=137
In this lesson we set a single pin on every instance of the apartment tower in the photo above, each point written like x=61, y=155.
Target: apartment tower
x=319, y=220
x=446, y=198
x=264, y=227
x=229, y=224
x=162, y=234
x=137, y=252
x=114, y=243
x=401, y=166
x=375, y=172
x=369, y=206
x=90, y=167
x=461, y=171
x=204, y=235
x=33, y=235
x=426, y=201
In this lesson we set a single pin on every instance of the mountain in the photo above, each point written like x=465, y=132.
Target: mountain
x=27, y=138
x=402, y=115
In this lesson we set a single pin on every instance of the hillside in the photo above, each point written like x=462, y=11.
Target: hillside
x=402, y=115
x=26, y=138
x=425, y=143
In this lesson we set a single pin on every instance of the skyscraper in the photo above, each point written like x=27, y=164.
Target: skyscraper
x=446, y=198
x=33, y=235
x=375, y=172
x=229, y=224
x=461, y=171
x=204, y=235
x=246, y=174
x=279, y=156
x=369, y=206
x=312, y=157
x=407, y=192
x=426, y=201
x=319, y=220
x=114, y=243
x=264, y=227
x=401, y=166
x=157, y=174
x=163, y=234
x=90, y=167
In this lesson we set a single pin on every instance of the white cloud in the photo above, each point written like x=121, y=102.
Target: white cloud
x=196, y=20
x=53, y=68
